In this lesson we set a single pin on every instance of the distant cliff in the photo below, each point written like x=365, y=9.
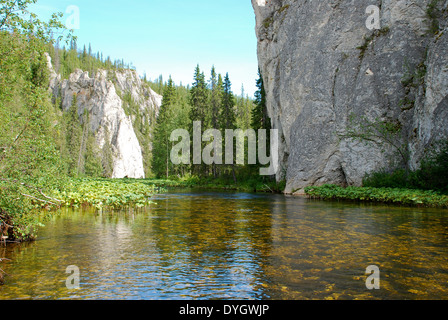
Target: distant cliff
x=321, y=65
x=117, y=103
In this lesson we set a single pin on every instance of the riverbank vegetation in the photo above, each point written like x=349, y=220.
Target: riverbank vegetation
x=30, y=163
x=246, y=184
x=426, y=186
x=408, y=197
x=48, y=156
x=107, y=194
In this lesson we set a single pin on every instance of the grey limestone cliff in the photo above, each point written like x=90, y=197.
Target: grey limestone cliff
x=321, y=64
x=108, y=119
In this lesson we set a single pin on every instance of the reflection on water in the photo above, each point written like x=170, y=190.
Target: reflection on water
x=218, y=245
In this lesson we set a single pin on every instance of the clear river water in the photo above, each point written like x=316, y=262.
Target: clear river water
x=229, y=245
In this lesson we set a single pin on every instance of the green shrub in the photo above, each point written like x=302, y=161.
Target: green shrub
x=408, y=197
x=432, y=174
x=384, y=179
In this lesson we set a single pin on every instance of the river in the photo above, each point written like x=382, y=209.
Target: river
x=229, y=245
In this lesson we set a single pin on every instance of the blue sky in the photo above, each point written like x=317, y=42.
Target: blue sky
x=169, y=37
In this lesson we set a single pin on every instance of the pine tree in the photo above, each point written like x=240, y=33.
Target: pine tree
x=164, y=125
x=199, y=109
x=260, y=118
x=216, y=88
x=228, y=112
x=228, y=105
x=199, y=98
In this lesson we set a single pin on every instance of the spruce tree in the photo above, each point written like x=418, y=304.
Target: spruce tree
x=92, y=164
x=73, y=134
x=216, y=88
x=161, y=145
x=260, y=118
x=107, y=156
x=228, y=119
x=228, y=104
x=199, y=98
x=199, y=107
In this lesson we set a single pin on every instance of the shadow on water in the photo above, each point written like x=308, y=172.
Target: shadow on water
x=192, y=244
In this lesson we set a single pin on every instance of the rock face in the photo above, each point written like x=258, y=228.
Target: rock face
x=321, y=64
x=108, y=119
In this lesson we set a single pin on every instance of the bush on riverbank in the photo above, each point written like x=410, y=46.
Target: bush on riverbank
x=432, y=174
x=424, y=198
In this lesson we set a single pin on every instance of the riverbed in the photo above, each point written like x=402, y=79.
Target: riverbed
x=229, y=245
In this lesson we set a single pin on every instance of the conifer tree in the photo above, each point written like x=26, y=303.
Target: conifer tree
x=161, y=145
x=93, y=165
x=106, y=156
x=73, y=134
x=199, y=98
x=199, y=107
x=260, y=118
x=216, y=89
x=228, y=104
x=228, y=112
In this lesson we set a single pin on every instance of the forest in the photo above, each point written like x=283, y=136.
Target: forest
x=208, y=100
x=45, y=149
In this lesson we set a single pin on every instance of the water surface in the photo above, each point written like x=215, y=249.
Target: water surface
x=226, y=245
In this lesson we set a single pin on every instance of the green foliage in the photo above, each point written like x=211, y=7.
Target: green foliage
x=260, y=118
x=383, y=179
x=433, y=14
x=93, y=166
x=106, y=194
x=228, y=120
x=247, y=182
x=398, y=196
x=268, y=22
x=73, y=135
x=106, y=156
x=364, y=46
x=432, y=174
x=199, y=99
x=30, y=163
x=161, y=163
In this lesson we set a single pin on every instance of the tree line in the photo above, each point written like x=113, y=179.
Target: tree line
x=211, y=101
x=41, y=146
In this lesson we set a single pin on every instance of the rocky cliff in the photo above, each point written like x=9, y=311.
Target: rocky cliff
x=103, y=98
x=321, y=64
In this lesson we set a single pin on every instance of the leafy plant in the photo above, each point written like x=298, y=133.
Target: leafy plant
x=399, y=196
x=107, y=194
x=432, y=174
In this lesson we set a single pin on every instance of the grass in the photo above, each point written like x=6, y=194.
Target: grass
x=407, y=197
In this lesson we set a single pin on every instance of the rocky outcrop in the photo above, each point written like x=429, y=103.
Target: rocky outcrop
x=107, y=116
x=321, y=64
